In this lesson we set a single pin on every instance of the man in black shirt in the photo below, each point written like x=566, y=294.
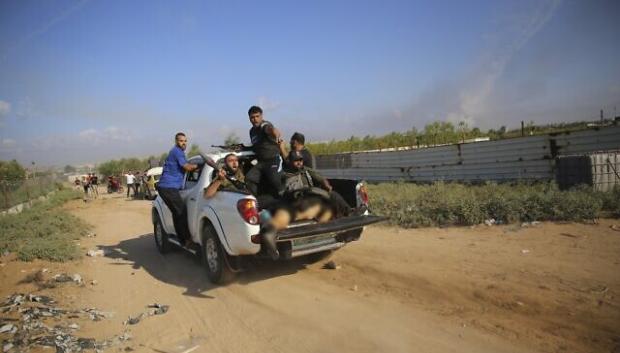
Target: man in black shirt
x=265, y=138
x=298, y=141
x=94, y=184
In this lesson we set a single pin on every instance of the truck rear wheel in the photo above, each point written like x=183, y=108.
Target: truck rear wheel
x=160, y=235
x=214, y=257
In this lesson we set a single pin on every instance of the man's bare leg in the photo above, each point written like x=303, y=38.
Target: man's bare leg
x=281, y=219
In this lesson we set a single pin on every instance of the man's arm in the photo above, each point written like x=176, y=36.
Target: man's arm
x=183, y=163
x=272, y=131
x=283, y=152
x=318, y=178
x=212, y=189
x=190, y=167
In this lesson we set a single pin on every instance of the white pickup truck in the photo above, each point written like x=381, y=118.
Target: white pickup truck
x=225, y=228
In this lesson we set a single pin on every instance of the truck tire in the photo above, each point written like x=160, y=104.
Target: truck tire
x=214, y=257
x=160, y=235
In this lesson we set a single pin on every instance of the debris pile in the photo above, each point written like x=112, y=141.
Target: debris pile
x=26, y=323
x=63, y=278
x=95, y=253
x=153, y=309
x=331, y=265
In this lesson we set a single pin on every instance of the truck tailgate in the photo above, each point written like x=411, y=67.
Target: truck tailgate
x=335, y=226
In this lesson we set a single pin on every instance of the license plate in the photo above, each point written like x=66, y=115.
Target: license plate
x=314, y=240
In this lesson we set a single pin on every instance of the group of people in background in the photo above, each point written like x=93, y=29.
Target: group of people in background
x=89, y=183
x=140, y=183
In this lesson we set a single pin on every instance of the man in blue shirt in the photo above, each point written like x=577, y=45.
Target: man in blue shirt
x=171, y=182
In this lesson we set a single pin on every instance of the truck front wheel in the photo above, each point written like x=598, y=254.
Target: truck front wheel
x=214, y=257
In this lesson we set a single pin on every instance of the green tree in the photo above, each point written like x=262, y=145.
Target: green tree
x=69, y=169
x=194, y=150
x=232, y=139
x=12, y=171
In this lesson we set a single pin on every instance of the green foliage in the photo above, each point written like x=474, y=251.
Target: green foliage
x=69, y=169
x=194, y=150
x=121, y=166
x=22, y=191
x=436, y=133
x=232, y=139
x=44, y=231
x=11, y=171
x=442, y=204
x=611, y=201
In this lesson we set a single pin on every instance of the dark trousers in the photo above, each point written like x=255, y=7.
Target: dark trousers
x=340, y=206
x=129, y=187
x=172, y=199
x=265, y=172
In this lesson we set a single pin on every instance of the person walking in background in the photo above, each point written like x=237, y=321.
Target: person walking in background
x=149, y=185
x=85, y=186
x=129, y=179
x=137, y=183
x=94, y=185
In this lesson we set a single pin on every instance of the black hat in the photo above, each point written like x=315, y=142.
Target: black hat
x=299, y=137
x=295, y=156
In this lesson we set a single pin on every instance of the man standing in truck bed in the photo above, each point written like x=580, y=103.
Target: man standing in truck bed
x=265, y=138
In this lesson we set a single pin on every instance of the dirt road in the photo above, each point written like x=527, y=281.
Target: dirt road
x=544, y=288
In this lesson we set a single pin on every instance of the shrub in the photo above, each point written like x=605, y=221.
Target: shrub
x=441, y=204
x=44, y=231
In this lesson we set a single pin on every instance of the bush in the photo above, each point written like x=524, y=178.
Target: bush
x=44, y=231
x=442, y=204
x=611, y=201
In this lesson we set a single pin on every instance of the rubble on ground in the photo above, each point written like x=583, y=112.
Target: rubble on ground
x=331, y=265
x=94, y=253
x=154, y=309
x=30, y=320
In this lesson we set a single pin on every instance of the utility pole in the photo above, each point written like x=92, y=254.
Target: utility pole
x=601, y=115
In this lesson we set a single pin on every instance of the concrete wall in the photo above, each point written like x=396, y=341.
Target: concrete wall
x=524, y=158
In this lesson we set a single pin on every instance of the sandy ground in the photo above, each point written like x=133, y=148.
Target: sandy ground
x=546, y=288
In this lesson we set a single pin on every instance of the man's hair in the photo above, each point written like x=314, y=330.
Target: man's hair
x=176, y=137
x=254, y=109
x=299, y=137
x=228, y=155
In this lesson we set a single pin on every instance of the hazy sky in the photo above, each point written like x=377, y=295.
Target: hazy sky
x=86, y=81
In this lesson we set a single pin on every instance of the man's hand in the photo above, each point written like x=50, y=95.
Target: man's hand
x=221, y=175
x=327, y=186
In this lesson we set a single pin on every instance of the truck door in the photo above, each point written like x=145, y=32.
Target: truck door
x=192, y=195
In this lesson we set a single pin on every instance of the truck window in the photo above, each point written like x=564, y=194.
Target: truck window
x=192, y=178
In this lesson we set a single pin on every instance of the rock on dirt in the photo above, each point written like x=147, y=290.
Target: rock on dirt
x=95, y=253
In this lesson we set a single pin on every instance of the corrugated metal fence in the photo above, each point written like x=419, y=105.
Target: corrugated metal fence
x=524, y=158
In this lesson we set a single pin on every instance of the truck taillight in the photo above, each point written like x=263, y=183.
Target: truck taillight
x=248, y=210
x=362, y=192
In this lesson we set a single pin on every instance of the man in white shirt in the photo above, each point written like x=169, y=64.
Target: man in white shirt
x=129, y=178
